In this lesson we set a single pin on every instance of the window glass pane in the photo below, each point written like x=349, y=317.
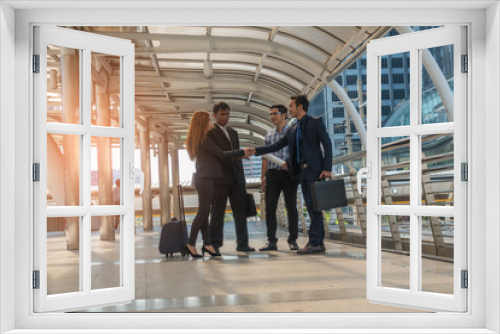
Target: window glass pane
x=437, y=242
x=395, y=170
x=437, y=170
x=397, y=62
x=386, y=110
x=395, y=98
x=338, y=112
x=395, y=266
x=105, y=252
x=437, y=105
x=398, y=78
x=105, y=171
x=63, y=85
x=63, y=255
x=63, y=170
x=399, y=94
x=352, y=79
x=106, y=90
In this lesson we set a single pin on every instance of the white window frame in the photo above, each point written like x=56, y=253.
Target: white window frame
x=85, y=43
x=414, y=296
x=483, y=103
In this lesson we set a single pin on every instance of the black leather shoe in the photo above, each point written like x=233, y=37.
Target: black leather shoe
x=187, y=250
x=293, y=245
x=310, y=249
x=203, y=250
x=270, y=246
x=245, y=249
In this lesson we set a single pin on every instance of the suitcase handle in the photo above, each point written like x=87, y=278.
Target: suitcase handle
x=181, y=203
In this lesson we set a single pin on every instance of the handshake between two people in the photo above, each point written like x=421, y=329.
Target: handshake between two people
x=249, y=151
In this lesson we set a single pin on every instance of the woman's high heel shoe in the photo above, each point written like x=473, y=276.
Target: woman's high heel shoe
x=203, y=250
x=191, y=253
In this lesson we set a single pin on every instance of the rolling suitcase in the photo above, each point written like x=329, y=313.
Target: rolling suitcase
x=174, y=234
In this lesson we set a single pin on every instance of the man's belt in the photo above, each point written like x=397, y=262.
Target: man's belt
x=303, y=166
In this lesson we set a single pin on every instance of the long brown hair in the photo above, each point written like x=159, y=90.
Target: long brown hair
x=197, y=130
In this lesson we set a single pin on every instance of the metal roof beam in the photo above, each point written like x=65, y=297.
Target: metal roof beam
x=177, y=80
x=180, y=106
x=273, y=33
x=188, y=81
x=186, y=43
x=154, y=62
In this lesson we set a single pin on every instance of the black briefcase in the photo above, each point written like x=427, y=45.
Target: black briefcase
x=251, y=208
x=328, y=194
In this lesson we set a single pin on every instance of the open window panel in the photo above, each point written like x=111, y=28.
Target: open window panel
x=83, y=221
x=425, y=146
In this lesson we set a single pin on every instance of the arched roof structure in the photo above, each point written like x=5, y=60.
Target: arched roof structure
x=182, y=69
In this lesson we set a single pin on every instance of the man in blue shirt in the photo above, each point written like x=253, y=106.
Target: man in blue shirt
x=310, y=150
x=276, y=178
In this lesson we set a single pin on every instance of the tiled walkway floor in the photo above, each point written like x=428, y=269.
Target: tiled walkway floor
x=277, y=281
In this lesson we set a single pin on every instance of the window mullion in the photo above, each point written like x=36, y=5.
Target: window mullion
x=85, y=181
x=415, y=171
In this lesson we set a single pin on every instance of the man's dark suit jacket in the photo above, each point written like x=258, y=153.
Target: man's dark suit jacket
x=232, y=169
x=210, y=157
x=313, y=133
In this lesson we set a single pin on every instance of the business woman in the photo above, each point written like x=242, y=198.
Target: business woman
x=208, y=156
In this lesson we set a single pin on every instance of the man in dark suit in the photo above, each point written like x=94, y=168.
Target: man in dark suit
x=308, y=162
x=232, y=185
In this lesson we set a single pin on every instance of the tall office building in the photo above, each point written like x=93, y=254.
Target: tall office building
x=395, y=90
x=252, y=167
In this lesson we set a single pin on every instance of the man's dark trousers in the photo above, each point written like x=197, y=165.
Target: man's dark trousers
x=232, y=185
x=278, y=180
x=237, y=197
x=316, y=229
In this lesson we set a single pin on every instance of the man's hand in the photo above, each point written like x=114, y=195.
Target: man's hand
x=284, y=166
x=249, y=151
x=325, y=174
x=263, y=185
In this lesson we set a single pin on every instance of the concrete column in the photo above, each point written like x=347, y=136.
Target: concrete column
x=55, y=168
x=104, y=164
x=175, y=182
x=163, y=170
x=147, y=211
x=52, y=82
x=70, y=78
